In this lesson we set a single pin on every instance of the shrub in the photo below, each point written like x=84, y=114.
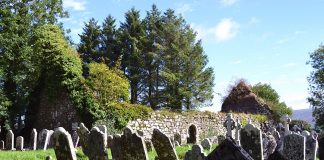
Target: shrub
x=300, y=123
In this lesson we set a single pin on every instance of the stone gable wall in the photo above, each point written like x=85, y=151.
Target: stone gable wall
x=208, y=124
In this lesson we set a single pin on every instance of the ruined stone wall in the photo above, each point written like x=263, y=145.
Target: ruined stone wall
x=56, y=112
x=207, y=124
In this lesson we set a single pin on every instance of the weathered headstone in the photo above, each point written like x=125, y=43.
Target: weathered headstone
x=103, y=129
x=133, y=147
x=83, y=133
x=63, y=145
x=50, y=139
x=116, y=147
x=220, y=138
x=33, y=140
x=311, y=146
x=20, y=143
x=229, y=124
x=75, y=139
x=238, y=127
x=251, y=141
x=177, y=138
x=228, y=150
x=294, y=147
x=43, y=139
x=96, y=149
x=196, y=153
x=269, y=145
x=206, y=144
x=109, y=141
x=321, y=148
x=10, y=140
x=163, y=146
x=2, y=145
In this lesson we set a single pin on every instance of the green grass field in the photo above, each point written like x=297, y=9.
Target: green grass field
x=40, y=154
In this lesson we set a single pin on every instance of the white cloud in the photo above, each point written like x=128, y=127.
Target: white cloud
x=78, y=5
x=228, y=2
x=183, y=9
x=225, y=30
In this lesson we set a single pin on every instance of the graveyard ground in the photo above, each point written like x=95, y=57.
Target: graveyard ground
x=41, y=155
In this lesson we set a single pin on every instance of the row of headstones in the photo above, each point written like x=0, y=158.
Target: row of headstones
x=43, y=141
x=291, y=145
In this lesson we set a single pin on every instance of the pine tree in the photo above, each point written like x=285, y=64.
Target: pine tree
x=109, y=44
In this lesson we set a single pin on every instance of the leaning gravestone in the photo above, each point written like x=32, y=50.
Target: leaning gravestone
x=206, y=144
x=2, y=146
x=63, y=145
x=33, y=140
x=229, y=150
x=83, y=133
x=20, y=143
x=196, y=153
x=103, y=129
x=116, y=147
x=163, y=146
x=294, y=147
x=311, y=146
x=43, y=139
x=251, y=141
x=96, y=149
x=133, y=146
x=10, y=140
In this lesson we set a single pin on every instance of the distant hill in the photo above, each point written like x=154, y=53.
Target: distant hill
x=304, y=114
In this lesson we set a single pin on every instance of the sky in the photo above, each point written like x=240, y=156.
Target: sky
x=265, y=41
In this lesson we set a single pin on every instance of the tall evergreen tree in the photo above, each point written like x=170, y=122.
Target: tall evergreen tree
x=89, y=47
x=131, y=36
x=109, y=45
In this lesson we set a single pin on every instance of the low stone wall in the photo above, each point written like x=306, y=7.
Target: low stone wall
x=184, y=126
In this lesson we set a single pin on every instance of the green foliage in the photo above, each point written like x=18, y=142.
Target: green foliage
x=316, y=86
x=272, y=99
x=106, y=86
x=300, y=123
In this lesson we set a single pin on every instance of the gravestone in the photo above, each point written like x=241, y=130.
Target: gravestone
x=163, y=146
x=63, y=145
x=103, y=129
x=96, y=149
x=206, y=144
x=116, y=147
x=133, y=146
x=2, y=145
x=311, y=146
x=10, y=140
x=20, y=143
x=43, y=139
x=177, y=138
x=321, y=148
x=229, y=150
x=229, y=124
x=75, y=139
x=33, y=140
x=286, y=120
x=109, y=141
x=220, y=138
x=196, y=153
x=269, y=145
x=238, y=127
x=294, y=147
x=83, y=133
x=275, y=133
x=251, y=141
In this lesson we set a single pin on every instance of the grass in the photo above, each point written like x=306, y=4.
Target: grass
x=41, y=155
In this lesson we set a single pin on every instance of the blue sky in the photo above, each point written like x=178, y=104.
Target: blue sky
x=264, y=41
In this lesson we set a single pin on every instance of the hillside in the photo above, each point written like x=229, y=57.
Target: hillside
x=304, y=114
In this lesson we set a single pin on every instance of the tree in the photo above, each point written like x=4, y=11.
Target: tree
x=89, y=47
x=316, y=86
x=109, y=44
x=272, y=99
x=18, y=20
x=131, y=34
